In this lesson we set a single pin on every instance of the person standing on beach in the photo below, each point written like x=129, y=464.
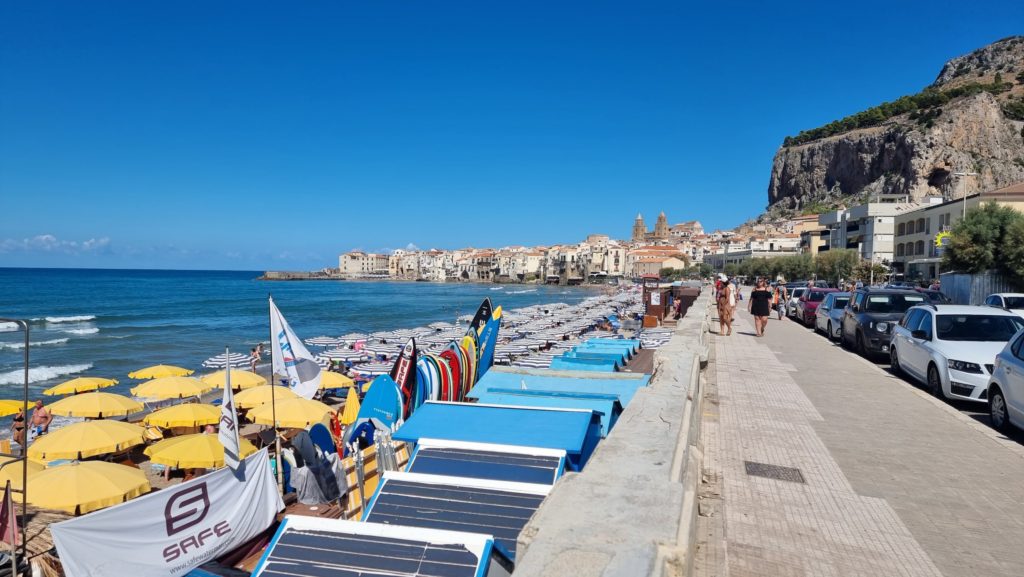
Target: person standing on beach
x=254, y=359
x=41, y=419
x=725, y=295
x=18, y=427
x=760, y=306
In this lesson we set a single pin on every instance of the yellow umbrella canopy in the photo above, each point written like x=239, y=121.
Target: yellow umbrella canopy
x=81, y=487
x=184, y=415
x=329, y=380
x=11, y=471
x=239, y=379
x=193, y=451
x=80, y=385
x=351, y=411
x=8, y=407
x=160, y=371
x=257, y=396
x=171, y=388
x=86, y=439
x=95, y=405
x=297, y=413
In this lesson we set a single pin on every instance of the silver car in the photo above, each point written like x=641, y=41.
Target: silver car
x=1006, y=387
x=828, y=319
x=794, y=299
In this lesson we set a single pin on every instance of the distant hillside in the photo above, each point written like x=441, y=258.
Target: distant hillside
x=971, y=119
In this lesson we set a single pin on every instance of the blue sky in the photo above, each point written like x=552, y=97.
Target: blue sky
x=253, y=135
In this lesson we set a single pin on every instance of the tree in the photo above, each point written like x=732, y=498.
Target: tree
x=1013, y=251
x=978, y=242
x=731, y=269
x=836, y=265
x=867, y=270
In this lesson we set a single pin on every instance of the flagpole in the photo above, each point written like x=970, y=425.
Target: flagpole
x=273, y=398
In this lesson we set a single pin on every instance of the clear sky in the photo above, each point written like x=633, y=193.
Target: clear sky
x=254, y=135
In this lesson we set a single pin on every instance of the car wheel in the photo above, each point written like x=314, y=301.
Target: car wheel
x=935, y=383
x=862, y=348
x=894, y=362
x=831, y=334
x=998, y=414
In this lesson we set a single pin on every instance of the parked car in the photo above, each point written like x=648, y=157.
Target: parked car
x=808, y=304
x=870, y=316
x=794, y=299
x=1013, y=302
x=1006, y=386
x=901, y=285
x=950, y=348
x=828, y=317
x=936, y=297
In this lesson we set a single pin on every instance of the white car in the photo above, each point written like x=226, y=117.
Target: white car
x=951, y=348
x=1013, y=302
x=794, y=300
x=828, y=319
x=1006, y=388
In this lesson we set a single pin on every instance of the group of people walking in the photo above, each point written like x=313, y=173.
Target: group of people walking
x=763, y=298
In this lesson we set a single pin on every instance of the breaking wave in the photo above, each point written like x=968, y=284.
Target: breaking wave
x=38, y=374
x=33, y=344
x=75, y=319
x=91, y=331
x=522, y=292
x=6, y=327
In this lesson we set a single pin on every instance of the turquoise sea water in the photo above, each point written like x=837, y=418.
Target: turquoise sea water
x=109, y=322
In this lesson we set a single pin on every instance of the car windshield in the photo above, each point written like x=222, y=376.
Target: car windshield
x=892, y=303
x=816, y=296
x=936, y=297
x=977, y=327
x=798, y=292
x=840, y=302
x=1014, y=302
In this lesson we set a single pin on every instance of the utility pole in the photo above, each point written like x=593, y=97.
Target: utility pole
x=962, y=174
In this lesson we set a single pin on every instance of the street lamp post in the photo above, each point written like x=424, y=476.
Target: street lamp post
x=960, y=174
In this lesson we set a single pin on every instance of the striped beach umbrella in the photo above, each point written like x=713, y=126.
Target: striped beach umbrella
x=232, y=359
x=372, y=368
x=323, y=341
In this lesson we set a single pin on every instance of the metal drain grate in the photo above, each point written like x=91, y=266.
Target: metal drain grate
x=774, y=472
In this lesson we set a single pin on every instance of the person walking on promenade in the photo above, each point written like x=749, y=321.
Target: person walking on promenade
x=733, y=295
x=781, y=298
x=725, y=296
x=760, y=306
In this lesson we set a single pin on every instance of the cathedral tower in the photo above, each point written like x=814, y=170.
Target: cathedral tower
x=639, y=229
x=661, y=227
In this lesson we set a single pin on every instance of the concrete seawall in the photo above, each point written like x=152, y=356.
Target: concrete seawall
x=632, y=511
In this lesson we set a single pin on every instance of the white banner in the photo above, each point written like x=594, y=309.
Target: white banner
x=291, y=357
x=227, y=432
x=172, y=531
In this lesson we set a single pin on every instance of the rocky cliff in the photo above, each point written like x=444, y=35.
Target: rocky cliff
x=969, y=121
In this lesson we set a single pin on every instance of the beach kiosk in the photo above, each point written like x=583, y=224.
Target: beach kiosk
x=575, y=431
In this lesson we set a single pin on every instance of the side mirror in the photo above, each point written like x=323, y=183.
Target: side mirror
x=855, y=308
x=919, y=335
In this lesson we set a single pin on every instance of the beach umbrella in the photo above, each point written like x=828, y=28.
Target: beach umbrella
x=329, y=380
x=12, y=471
x=257, y=396
x=351, y=410
x=95, y=406
x=373, y=368
x=184, y=415
x=159, y=371
x=79, y=385
x=239, y=379
x=344, y=355
x=171, y=388
x=81, y=487
x=86, y=439
x=323, y=341
x=297, y=413
x=232, y=359
x=8, y=407
x=197, y=451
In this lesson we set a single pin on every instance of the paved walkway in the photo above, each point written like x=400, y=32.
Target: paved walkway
x=895, y=482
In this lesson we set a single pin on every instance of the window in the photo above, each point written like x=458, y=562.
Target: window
x=901, y=229
x=926, y=325
x=911, y=319
x=990, y=328
x=920, y=225
x=1017, y=350
x=910, y=227
x=919, y=247
x=900, y=250
x=893, y=302
x=992, y=301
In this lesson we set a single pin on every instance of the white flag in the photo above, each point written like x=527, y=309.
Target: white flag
x=228, y=430
x=291, y=357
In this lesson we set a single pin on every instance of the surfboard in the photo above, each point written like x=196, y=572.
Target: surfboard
x=404, y=375
x=488, y=340
x=380, y=410
x=483, y=313
x=455, y=368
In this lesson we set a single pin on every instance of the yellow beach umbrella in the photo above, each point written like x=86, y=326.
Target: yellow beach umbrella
x=239, y=379
x=329, y=380
x=81, y=487
x=193, y=451
x=11, y=470
x=95, y=405
x=171, y=388
x=8, y=407
x=80, y=385
x=159, y=371
x=184, y=415
x=257, y=396
x=351, y=411
x=86, y=439
x=295, y=413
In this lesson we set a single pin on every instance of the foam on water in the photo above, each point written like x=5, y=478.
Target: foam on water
x=74, y=319
x=90, y=331
x=39, y=374
x=16, y=346
x=6, y=327
x=522, y=292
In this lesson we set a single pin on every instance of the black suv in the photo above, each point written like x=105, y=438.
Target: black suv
x=871, y=315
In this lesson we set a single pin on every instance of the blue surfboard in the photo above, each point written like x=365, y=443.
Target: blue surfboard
x=381, y=408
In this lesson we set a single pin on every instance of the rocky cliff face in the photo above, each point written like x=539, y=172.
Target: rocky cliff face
x=917, y=153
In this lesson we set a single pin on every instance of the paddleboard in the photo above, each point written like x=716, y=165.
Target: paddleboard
x=404, y=375
x=483, y=313
x=488, y=340
x=381, y=410
x=455, y=368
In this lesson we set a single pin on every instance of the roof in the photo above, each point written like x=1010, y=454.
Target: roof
x=967, y=310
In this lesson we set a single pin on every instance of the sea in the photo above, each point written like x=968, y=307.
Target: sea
x=106, y=323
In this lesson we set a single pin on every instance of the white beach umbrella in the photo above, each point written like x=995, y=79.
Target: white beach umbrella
x=233, y=359
x=372, y=368
x=323, y=341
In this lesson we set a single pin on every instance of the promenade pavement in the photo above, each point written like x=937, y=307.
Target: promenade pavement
x=883, y=479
